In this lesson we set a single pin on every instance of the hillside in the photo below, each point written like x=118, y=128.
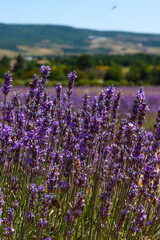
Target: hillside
x=54, y=40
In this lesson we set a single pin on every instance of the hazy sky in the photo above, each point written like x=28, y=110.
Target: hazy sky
x=129, y=15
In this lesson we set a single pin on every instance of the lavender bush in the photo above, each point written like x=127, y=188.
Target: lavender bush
x=77, y=174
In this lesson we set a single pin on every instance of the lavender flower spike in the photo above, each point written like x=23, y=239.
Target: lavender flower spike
x=71, y=78
x=45, y=71
x=6, y=85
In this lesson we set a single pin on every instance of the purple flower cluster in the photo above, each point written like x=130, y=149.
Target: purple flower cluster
x=6, y=85
x=74, y=212
x=68, y=173
x=45, y=71
x=71, y=79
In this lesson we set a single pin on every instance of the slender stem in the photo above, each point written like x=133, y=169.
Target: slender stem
x=4, y=112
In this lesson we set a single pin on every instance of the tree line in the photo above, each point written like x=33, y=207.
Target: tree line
x=137, y=69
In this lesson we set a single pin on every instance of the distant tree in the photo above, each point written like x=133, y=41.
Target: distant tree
x=2, y=71
x=155, y=76
x=138, y=73
x=81, y=74
x=114, y=73
x=59, y=73
x=31, y=65
x=5, y=62
x=19, y=64
x=84, y=62
x=30, y=73
x=4, y=66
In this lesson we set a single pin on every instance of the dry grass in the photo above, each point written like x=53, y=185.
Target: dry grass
x=118, y=47
x=8, y=53
x=37, y=51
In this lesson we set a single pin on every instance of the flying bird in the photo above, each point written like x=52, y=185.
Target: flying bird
x=114, y=7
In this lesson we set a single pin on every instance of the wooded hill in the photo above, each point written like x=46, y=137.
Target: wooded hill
x=55, y=40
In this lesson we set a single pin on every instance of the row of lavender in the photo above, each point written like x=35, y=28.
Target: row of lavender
x=127, y=98
x=77, y=174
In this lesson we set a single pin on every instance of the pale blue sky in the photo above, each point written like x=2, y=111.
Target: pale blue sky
x=130, y=15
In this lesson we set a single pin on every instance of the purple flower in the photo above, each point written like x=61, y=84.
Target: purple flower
x=9, y=231
x=32, y=189
x=46, y=201
x=71, y=78
x=15, y=185
x=52, y=179
x=1, y=200
x=76, y=209
x=6, y=85
x=41, y=190
x=45, y=71
x=33, y=86
x=150, y=222
x=132, y=193
x=16, y=100
x=106, y=209
x=139, y=220
x=16, y=203
x=30, y=216
x=43, y=223
x=10, y=215
x=59, y=90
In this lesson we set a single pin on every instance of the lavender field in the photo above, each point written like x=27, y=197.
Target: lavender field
x=79, y=167
x=128, y=94
x=126, y=102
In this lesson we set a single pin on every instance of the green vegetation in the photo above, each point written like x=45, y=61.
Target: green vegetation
x=56, y=40
x=98, y=70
